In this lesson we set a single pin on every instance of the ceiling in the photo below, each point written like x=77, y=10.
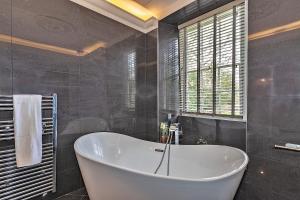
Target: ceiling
x=158, y=8
x=163, y=8
x=143, y=2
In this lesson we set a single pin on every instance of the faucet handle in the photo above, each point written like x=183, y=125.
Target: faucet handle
x=201, y=141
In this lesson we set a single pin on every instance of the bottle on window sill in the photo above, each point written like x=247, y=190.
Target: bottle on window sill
x=163, y=130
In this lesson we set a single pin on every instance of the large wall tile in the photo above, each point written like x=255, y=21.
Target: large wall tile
x=5, y=48
x=92, y=89
x=273, y=102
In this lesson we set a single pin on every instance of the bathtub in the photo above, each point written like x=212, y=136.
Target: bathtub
x=119, y=167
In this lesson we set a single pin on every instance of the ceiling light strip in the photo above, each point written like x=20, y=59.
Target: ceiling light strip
x=19, y=41
x=133, y=8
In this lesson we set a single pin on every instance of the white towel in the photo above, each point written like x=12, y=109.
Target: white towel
x=28, y=129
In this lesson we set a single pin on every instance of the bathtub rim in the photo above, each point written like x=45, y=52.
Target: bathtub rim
x=215, y=178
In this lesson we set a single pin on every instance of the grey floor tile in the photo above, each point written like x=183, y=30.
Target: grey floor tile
x=80, y=194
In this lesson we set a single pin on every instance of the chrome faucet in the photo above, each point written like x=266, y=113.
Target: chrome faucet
x=175, y=129
x=201, y=140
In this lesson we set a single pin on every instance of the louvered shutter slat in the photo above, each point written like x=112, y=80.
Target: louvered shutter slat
x=212, y=64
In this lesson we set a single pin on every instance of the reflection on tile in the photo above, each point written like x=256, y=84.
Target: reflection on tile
x=214, y=131
x=168, y=95
x=273, y=104
x=92, y=90
x=231, y=134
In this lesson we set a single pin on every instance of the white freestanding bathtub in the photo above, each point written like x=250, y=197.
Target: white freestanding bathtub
x=119, y=167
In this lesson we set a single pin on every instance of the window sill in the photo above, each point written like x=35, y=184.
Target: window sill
x=213, y=117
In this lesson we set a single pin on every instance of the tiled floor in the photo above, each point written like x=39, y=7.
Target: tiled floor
x=80, y=194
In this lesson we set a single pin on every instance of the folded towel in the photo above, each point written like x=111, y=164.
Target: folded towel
x=28, y=129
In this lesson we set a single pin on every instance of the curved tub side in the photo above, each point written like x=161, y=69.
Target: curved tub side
x=102, y=148
x=110, y=183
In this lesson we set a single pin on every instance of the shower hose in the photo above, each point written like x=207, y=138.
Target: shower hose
x=167, y=145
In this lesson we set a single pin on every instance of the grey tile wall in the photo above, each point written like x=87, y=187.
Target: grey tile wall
x=168, y=92
x=220, y=132
x=122, y=118
x=273, y=103
x=151, y=80
x=44, y=72
x=5, y=48
x=92, y=89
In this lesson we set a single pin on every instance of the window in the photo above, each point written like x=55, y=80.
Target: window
x=212, y=64
x=131, y=87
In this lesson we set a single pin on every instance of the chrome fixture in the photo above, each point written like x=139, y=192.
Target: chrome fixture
x=159, y=150
x=201, y=141
x=288, y=147
x=168, y=143
x=28, y=182
x=175, y=129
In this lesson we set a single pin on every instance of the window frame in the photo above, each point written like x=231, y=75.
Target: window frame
x=214, y=114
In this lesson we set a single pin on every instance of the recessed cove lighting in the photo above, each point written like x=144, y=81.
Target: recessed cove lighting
x=133, y=8
x=57, y=49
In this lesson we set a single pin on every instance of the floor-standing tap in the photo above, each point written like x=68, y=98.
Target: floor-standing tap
x=175, y=129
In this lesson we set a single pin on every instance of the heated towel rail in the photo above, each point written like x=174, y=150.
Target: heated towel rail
x=27, y=182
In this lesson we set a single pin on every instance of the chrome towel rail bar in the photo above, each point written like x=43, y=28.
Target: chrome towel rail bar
x=286, y=148
x=28, y=182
